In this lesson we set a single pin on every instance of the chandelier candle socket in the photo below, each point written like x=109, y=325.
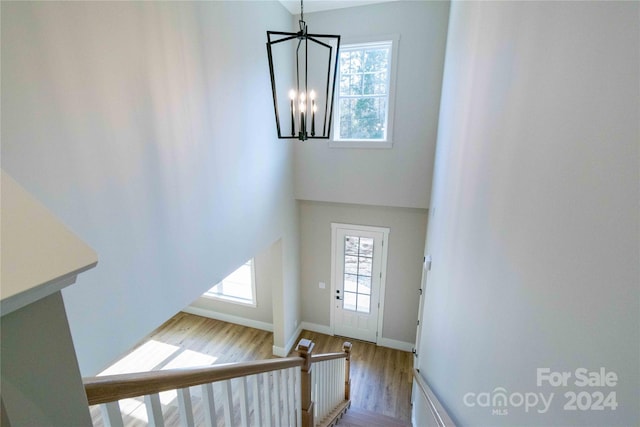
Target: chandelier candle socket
x=297, y=62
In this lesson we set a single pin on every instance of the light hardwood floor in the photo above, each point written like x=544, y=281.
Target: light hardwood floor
x=380, y=377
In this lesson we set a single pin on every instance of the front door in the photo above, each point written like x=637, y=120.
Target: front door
x=358, y=266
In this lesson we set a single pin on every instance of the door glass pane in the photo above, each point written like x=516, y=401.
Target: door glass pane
x=350, y=283
x=364, y=302
x=364, y=266
x=351, y=245
x=366, y=246
x=351, y=264
x=358, y=266
x=364, y=285
x=350, y=301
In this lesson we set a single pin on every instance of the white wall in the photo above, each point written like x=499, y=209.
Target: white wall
x=400, y=176
x=148, y=128
x=534, y=226
x=404, y=266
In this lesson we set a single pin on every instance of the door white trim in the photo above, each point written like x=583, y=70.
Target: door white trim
x=426, y=266
x=383, y=270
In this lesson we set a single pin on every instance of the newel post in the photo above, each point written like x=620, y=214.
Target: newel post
x=346, y=347
x=305, y=349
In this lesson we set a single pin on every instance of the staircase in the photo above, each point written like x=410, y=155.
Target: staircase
x=303, y=391
x=356, y=417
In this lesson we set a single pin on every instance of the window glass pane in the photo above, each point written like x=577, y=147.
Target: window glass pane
x=355, y=84
x=350, y=283
x=349, y=301
x=355, y=61
x=364, y=90
x=344, y=84
x=237, y=286
x=345, y=62
x=369, y=84
x=364, y=302
x=376, y=59
x=380, y=81
x=346, y=114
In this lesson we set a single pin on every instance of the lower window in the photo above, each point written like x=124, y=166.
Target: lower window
x=238, y=287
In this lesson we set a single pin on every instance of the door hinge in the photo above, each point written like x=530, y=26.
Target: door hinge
x=418, y=323
x=420, y=291
x=427, y=262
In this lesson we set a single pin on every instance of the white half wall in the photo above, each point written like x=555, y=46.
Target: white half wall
x=535, y=224
x=399, y=176
x=147, y=128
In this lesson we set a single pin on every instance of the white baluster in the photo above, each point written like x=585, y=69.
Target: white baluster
x=244, y=419
x=291, y=394
x=185, y=407
x=334, y=381
x=298, y=397
x=257, y=416
x=266, y=390
x=322, y=398
x=209, y=406
x=330, y=377
x=227, y=402
x=111, y=415
x=285, y=395
x=334, y=372
x=154, y=410
x=314, y=390
x=276, y=397
x=340, y=381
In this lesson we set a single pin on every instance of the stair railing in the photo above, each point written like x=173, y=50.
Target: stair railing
x=274, y=392
x=326, y=384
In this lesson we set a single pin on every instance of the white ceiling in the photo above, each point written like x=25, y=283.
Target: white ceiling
x=318, y=5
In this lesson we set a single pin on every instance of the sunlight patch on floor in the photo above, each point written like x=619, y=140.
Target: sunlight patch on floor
x=145, y=358
x=190, y=359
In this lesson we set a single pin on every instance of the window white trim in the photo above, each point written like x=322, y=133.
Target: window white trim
x=235, y=300
x=363, y=41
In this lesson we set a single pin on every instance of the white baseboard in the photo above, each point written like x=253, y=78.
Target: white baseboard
x=229, y=318
x=314, y=327
x=284, y=351
x=382, y=342
x=279, y=351
x=395, y=344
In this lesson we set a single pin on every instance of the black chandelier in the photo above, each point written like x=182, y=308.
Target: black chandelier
x=309, y=89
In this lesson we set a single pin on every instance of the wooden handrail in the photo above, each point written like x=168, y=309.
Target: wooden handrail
x=439, y=414
x=328, y=356
x=115, y=387
x=110, y=389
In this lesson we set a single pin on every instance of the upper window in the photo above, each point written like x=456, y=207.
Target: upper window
x=238, y=287
x=364, y=99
